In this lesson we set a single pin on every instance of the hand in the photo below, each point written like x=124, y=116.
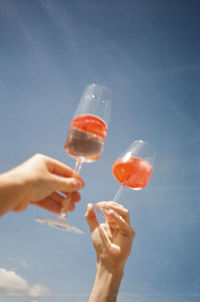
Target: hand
x=41, y=181
x=112, y=240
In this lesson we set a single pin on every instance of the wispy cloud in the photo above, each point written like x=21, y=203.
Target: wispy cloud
x=13, y=284
x=64, y=22
x=191, y=67
x=18, y=263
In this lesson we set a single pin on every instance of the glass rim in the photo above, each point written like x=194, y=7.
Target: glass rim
x=99, y=85
x=150, y=158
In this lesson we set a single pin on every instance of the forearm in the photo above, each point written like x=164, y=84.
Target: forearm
x=106, y=285
x=12, y=191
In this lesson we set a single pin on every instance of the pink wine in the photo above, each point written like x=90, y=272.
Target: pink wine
x=86, y=138
x=133, y=173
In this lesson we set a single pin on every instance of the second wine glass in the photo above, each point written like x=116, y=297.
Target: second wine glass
x=85, y=139
x=132, y=169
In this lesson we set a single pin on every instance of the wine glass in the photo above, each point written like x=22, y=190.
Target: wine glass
x=132, y=169
x=85, y=139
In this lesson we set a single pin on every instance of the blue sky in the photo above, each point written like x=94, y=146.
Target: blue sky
x=147, y=53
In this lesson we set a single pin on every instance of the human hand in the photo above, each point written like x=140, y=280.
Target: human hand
x=113, y=239
x=41, y=181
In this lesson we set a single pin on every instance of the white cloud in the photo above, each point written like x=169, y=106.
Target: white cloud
x=13, y=284
x=38, y=290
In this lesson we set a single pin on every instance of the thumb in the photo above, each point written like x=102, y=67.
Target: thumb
x=91, y=218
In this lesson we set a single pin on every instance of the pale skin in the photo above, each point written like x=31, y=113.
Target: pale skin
x=40, y=181
x=50, y=184
x=112, y=242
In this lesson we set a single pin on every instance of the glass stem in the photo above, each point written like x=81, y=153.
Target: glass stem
x=118, y=193
x=78, y=165
x=63, y=214
x=64, y=210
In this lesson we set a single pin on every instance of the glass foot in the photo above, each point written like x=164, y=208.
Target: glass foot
x=61, y=224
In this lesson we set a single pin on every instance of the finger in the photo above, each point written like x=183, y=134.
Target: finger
x=120, y=222
x=75, y=196
x=71, y=207
x=106, y=241
x=21, y=207
x=53, y=202
x=68, y=202
x=56, y=167
x=110, y=203
x=49, y=205
x=91, y=217
x=61, y=196
x=56, y=196
x=66, y=184
x=118, y=208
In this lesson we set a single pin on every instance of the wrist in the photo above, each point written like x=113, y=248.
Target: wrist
x=107, y=268
x=111, y=276
x=111, y=264
x=107, y=283
x=12, y=191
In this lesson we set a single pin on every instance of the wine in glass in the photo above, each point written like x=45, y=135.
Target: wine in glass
x=133, y=168
x=85, y=139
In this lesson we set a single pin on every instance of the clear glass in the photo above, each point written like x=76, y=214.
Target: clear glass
x=133, y=168
x=85, y=139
